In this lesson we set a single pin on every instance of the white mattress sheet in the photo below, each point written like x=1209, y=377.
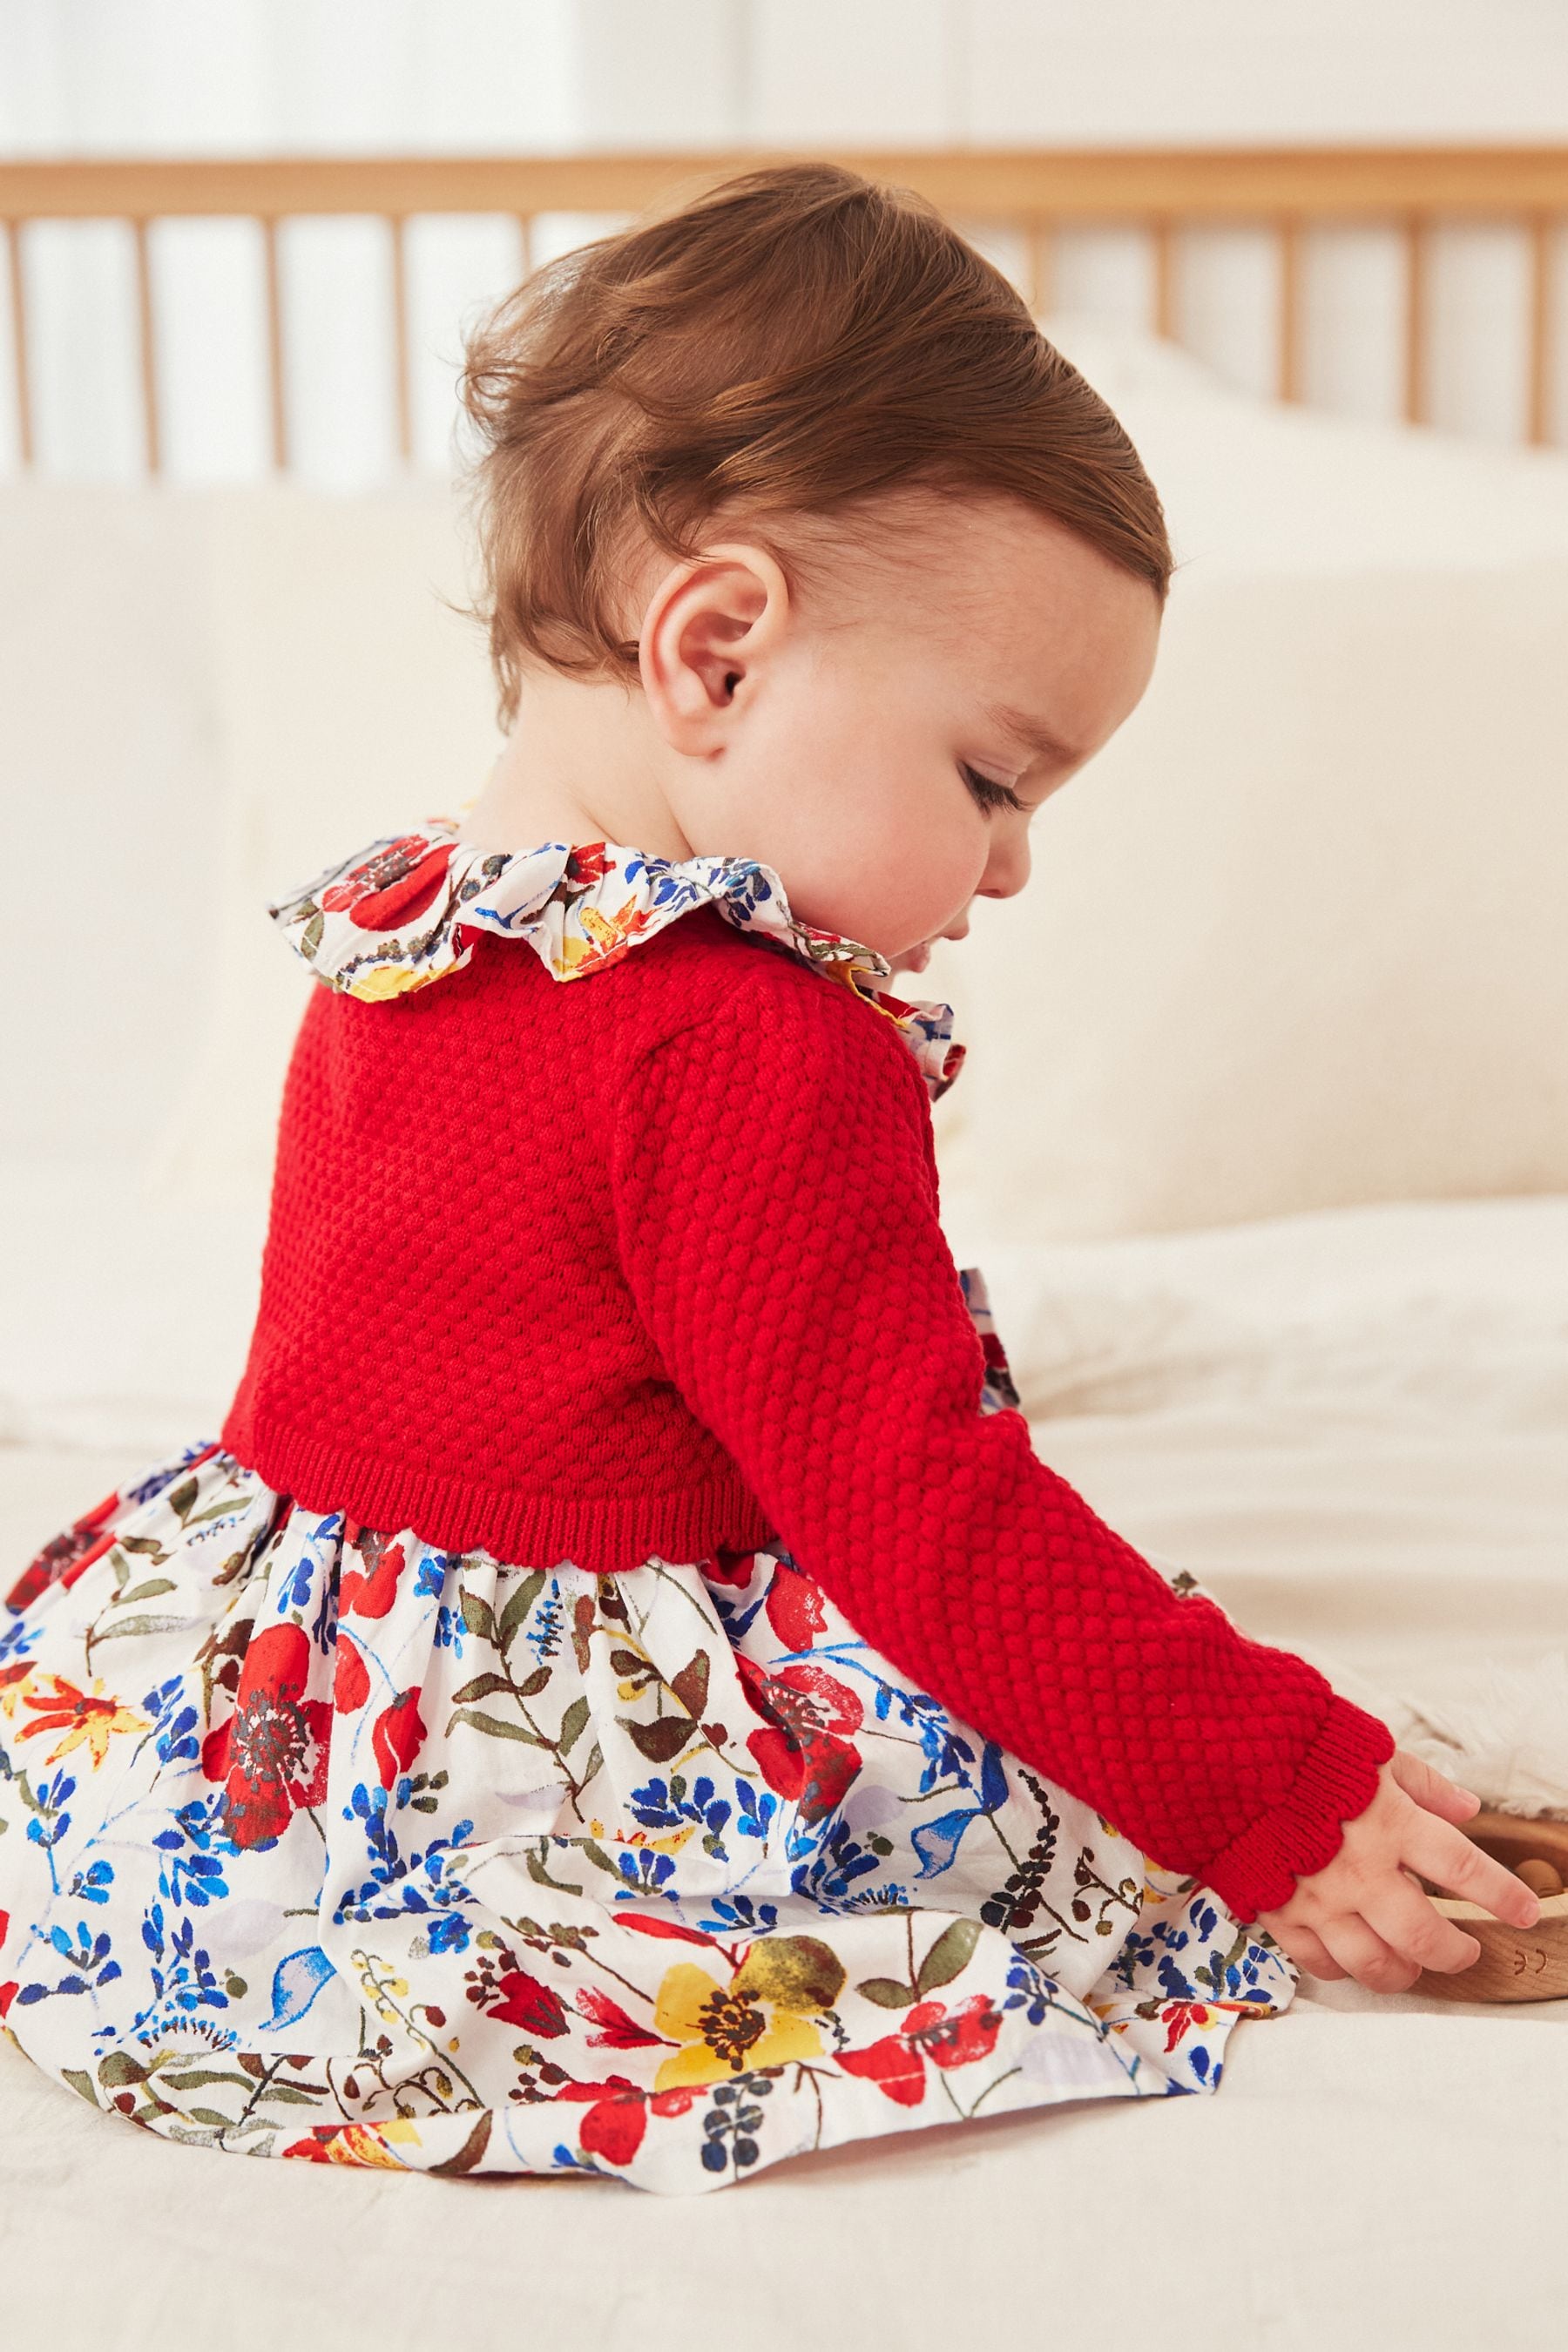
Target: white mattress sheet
x=1351, y=1426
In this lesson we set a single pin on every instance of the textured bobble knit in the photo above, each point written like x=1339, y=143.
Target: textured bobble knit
x=651, y=1266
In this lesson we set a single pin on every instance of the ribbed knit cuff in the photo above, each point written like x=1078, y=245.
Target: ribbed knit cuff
x=1337, y=1780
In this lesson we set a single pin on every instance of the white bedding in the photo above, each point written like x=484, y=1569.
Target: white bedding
x=1351, y=1426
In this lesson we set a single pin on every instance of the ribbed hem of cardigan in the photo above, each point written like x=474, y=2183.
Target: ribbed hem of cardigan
x=1337, y=1780
x=604, y=1535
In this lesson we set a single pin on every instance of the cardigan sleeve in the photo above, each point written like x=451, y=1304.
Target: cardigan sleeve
x=775, y=1201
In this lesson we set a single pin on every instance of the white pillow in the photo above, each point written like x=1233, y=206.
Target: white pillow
x=108, y=796
x=1261, y=486
x=202, y=692
x=353, y=701
x=1299, y=937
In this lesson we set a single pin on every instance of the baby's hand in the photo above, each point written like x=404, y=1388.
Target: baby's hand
x=1363, y=1915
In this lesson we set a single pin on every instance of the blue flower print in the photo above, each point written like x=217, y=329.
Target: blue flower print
x=644, y=1871
x=937, y=1842
x=89, y=1964
x=175, y=1722
x=665, y=1805
x=391, y=1868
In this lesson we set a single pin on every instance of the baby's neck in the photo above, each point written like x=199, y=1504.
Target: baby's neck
x=582, y=763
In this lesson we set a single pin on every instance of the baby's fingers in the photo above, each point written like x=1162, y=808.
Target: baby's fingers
x=1455, y=1862
x=1308, y=1951
x=1363, y=1954
x=1431, y=1787
x=1310, y=1956
x=1412, y=1928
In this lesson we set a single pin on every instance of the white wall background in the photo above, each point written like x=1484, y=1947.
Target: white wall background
x=203, y=77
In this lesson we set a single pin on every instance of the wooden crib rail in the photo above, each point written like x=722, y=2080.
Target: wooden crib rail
x=1033, y=192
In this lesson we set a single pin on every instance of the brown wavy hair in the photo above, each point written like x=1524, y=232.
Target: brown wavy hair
x=794, y=343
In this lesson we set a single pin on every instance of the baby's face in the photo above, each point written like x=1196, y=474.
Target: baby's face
x=901, y=737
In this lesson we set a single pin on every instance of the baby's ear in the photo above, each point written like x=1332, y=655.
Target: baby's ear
x=710, y=628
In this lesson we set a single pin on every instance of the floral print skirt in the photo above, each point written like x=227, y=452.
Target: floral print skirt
x=319, y=1841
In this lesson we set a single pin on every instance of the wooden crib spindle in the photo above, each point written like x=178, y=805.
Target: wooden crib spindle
x=1538, y=379
x=278, y=406
x=1163, y=237
x=146, y=334
x=398, y=224
x=1288, y=245
x=1417, y=256
x=20, y=344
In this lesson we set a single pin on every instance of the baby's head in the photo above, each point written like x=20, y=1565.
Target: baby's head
x=802, y=544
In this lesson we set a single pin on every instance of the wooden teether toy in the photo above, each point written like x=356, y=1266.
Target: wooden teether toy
x=1514, y=1963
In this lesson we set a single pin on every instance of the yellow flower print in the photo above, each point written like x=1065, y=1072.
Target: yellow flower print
x=604, y=933
x=16, y=1681
x=88, y=1717
x=674, y=1840
x=607, y=937
x=388, y=980
x=361, y=2144
x=758, y=2019
x=358, y=2144
x=671, y=1842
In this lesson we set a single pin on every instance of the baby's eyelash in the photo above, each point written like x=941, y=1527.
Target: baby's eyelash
x=988, y=794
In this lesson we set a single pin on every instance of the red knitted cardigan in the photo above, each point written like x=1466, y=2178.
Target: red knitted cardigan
x=652, y=1265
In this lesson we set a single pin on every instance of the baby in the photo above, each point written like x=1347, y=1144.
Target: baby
x=621, y=1693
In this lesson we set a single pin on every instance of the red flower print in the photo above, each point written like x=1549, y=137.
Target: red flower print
x=656, y=1927
x=726, y=1566
x=65, y=1558
x=587, y=864
x=794, y=1607
x=397, y=1736
x=362, y=2144
x=618, y=2113
x=350, y=1679
x=272, y=1751
x=893, y=2064
x=618, y=2030
x=806, y=1757
x=897, y=2063
x=525, y=2001
x=1179, y=2015
x=371, y=1591
x=392, y=887
x=8, y=1993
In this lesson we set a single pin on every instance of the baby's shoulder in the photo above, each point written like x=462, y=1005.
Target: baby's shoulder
x=753, y=1001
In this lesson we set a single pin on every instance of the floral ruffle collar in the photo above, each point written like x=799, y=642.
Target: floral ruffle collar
x=405, y=912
